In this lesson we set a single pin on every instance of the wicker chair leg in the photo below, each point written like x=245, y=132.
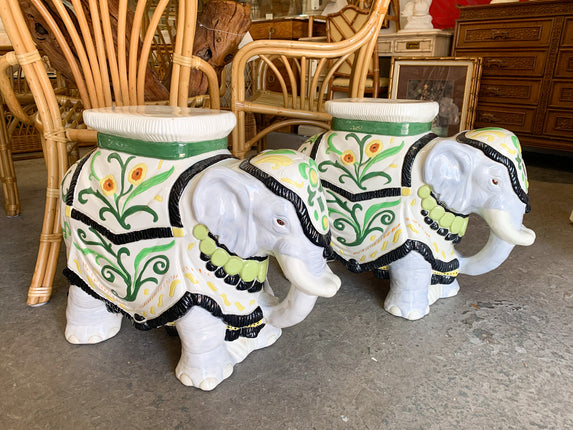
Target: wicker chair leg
x=7, y=172
x=50, y=242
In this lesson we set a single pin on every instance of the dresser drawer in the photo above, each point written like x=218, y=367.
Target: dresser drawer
x=562, y=95
x=509, y=91
x=413, y=47
x=271, y=30
x=517, y=119
x=509, y=63
x=564, y=66
x=559, y=123
x=568, y=33
x=499, y=34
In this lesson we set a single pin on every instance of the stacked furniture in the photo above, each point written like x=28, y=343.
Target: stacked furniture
x=527, y=78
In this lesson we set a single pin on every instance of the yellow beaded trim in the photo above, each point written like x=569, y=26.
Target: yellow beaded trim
x=454, y=223
x=248, y=270
x=255, y=324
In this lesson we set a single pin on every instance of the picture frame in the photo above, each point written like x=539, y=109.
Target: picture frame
x=453, y=82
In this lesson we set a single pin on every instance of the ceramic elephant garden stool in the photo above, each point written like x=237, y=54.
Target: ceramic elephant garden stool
x=164, y=226
x=399, y=197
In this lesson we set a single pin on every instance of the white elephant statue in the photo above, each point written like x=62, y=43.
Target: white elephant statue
x=165, y=227
x=399, y=197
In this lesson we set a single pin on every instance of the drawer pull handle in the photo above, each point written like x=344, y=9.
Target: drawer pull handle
x=499, y=34
x=492, y=91
x=272, y=31
x=413, y=45
x=487, y=117
x=495, y=63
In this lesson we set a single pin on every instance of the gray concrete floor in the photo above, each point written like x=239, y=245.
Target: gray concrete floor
x=499, y=355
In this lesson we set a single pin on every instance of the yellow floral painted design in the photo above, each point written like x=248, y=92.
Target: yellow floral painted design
x=373, y=148
x=277, y=160
x=108, y=185
x=348, y=157
x=313, y=177
x=137, y=174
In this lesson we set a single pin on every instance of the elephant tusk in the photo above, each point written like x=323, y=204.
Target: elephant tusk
x=500, y=223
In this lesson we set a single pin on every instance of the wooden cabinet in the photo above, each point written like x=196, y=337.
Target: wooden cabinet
x=434, y=43
x=286, y=28
x=527, y=77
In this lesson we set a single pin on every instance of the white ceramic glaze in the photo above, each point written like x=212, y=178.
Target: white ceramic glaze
x=179, y=233
x=399, y=197
x=156, y=123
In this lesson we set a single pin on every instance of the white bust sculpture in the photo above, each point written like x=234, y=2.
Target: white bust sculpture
x=417, y=13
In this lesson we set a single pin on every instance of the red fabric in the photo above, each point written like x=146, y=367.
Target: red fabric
x=445, y=12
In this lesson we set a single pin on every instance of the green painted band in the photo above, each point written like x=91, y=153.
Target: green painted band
x=383, y=128
x=163, y=150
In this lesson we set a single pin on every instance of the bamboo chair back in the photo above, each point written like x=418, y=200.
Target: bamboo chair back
x=341, y=26
x=300, y=71
x=106, y=46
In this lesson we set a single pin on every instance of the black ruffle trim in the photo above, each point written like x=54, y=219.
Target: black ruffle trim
x=71, y=191
x=499, y=158
x=123, y=238
x=182, y=181
x=360, y=197
x=316, y=145
x=400, y=252
x=411, y=156
x=322, y=240
x=238, y=325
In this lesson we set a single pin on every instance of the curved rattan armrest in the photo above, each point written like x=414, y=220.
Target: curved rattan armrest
x=10, y=97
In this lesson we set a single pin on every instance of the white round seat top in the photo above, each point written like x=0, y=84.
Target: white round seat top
x=153, y=123
x=383, y=110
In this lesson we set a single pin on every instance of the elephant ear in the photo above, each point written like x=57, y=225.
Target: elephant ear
x=448, y=170
x=223, y=202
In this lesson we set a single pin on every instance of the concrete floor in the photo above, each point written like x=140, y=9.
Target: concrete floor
x=499, y=355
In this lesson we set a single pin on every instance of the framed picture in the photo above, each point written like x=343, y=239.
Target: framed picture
x=453, y=82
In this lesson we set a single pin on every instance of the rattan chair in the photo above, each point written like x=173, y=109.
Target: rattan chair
x=7, y=172
x=341, y=26
x=300, y=73
x=108, y=60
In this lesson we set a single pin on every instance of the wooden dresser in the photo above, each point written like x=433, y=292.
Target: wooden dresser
x=527, y=78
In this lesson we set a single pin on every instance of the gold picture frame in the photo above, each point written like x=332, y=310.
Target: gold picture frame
x=453, y=82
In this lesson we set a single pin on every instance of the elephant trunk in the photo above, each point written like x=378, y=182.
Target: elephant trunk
x=494, y=252
x=293, y=309
x=504, y=235
x=305, y=289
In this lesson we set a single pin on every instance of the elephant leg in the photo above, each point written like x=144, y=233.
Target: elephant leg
x=442, y=291
x=205, y=361
x=243, y=346
x=410, y=278
x=88, y=320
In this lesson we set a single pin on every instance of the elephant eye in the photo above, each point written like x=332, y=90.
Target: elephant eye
x=494, y=181
x=280, y=222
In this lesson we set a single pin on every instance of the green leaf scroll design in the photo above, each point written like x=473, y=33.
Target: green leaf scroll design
x=343, y=215
x=116, y=202
x=148, y=262
x=358, y=170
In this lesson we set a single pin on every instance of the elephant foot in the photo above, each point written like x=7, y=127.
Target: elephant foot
x=243, y=346
x=205, y=370
x=409, y=280
x=88, y=320
x=205, y=361
x=442, y=291
x=409, y=304
x=405, y=311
